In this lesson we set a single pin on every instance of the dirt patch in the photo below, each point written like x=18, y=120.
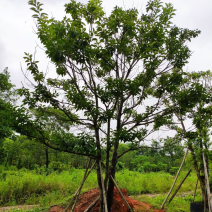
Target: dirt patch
x=118, y=204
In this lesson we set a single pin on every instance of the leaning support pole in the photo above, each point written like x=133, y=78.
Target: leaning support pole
x=207, y=184
x=179, y=186
x=93, y=204
x=76, y=193
x=103, y=188
x=195, y=190
x=122, y=196
x=75, y=197
x=162, y=206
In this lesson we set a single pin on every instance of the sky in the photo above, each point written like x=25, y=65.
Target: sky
x=18, y=36
x=17, y=32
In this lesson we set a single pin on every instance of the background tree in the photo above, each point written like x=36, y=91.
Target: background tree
x=107, y=70
x=7, y=100
x=174, y=149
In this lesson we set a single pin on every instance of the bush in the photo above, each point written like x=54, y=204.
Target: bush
x=174, y=170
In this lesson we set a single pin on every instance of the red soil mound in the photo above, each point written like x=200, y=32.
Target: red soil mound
x=118, y=204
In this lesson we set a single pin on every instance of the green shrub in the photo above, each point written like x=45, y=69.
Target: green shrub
x=174, y=170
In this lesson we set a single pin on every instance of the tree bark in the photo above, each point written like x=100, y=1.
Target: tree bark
x=197, y=170
x=107, y=155
x=114, y=160
x=111, y=183
x=98, y=170
x=194, y=157
x=207, y=184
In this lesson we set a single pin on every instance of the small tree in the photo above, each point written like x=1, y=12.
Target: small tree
x=107, y=72
x=192, y=103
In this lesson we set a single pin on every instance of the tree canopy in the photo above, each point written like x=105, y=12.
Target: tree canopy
x=112, y=74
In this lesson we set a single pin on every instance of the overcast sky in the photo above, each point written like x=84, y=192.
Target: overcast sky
x=17, y=36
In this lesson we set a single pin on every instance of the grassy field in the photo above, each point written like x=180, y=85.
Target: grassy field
x=27, y=187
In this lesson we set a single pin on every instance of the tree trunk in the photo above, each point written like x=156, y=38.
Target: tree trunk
x=198, y=171
x=112, y=169
x=207, y=183
x=107, y=155
x=111, y=183
x=98, y=170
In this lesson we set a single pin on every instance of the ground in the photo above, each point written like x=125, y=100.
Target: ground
x=18, y=207
x=87, y=198
x=118, y=205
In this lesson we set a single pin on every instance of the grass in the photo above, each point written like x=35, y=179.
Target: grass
x=27, y=187
x=160, y=182
x=181, y=203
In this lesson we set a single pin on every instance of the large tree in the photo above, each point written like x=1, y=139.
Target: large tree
x=107, y=69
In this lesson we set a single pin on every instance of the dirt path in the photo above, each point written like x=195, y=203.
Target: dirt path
x=181, y=194
x=18, y=207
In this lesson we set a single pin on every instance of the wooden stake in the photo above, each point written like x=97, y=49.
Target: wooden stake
x=162, y=206
x=179, y=186
x=195, y=190
x=103, y=188
x=118, y=189
x=207, y=183
x=93, y=204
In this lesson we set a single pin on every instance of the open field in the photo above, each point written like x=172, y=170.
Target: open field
x=29, y=188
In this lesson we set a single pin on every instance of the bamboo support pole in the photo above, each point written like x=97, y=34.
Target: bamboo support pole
x=79, y=190
x=179, y=186
x=122, y=196
x=207, y=184
x=103, y=188
x=195, y=190
x=205, y=197
x=76, y=193
x=162, y=206
x=75, y=197
x=93, y=204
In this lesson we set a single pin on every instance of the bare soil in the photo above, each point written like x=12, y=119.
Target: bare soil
x=118, y=204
